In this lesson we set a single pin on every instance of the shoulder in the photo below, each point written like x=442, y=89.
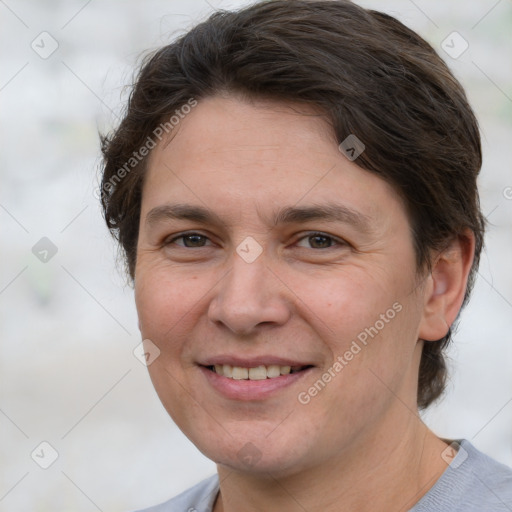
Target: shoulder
x=471, y=483
x=494, y=477
x=199, y=498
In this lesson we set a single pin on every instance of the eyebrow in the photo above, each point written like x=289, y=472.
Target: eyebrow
x=330, y=212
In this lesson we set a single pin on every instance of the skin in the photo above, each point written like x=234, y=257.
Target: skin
x=359, y=443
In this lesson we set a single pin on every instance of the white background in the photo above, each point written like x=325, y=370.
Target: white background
x=68, y=327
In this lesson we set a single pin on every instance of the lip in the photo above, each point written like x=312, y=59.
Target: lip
x=252, y=362
x=252, y=390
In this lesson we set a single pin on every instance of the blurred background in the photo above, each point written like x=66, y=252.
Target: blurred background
x=81, y=427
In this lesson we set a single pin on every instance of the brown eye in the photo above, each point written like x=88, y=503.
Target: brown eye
x=319, y=241
x=189, y=240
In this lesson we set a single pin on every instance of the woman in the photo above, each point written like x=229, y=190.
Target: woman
x=294, y=189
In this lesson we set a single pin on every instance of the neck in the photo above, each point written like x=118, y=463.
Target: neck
x=394, y=471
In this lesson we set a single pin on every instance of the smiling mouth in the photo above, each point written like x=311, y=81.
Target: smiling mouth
x=256, y=373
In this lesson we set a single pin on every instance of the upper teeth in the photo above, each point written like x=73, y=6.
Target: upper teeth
x=257, y=373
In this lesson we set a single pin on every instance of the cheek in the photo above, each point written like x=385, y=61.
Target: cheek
x=164, y=300
x=166, y=308
x=344, y=303
x=368, y=320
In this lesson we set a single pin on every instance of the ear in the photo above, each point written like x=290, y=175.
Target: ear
x=445, y=287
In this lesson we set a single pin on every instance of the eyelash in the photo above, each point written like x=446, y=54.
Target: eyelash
x=335, y=241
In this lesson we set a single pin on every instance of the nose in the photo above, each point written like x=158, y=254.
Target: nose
x=249, y=296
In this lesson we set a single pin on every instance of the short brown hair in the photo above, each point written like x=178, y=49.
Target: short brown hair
x=366, y=72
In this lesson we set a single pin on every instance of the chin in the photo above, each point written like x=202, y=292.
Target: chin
x=255, y=454
x=269, y=466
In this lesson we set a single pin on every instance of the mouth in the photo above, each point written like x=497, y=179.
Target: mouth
x=253, y=380
x=260, y=372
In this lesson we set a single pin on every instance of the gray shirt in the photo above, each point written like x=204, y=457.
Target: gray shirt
x=473, y=482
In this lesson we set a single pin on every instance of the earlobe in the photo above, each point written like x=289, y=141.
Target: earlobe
x=446, y=288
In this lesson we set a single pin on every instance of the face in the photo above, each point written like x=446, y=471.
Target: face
x=278, y=281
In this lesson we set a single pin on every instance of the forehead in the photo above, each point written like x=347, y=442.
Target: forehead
x=231, y=151
x=231, y=129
